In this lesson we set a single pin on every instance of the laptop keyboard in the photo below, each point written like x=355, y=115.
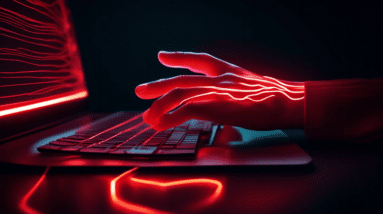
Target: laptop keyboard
x=130, y=135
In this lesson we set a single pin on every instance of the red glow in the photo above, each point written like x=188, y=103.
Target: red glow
x=143, y=209
x=23, y=203
x=39, y=38
x=197, y=181
x=226, y=94
x=118, y=125
x=76, y=96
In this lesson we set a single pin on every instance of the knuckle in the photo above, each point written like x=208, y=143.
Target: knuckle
x=227, y=76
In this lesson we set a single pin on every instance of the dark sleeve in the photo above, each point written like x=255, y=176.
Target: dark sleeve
x=345, y=110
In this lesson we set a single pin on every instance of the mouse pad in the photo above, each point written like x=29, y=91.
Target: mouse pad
x=231, y=146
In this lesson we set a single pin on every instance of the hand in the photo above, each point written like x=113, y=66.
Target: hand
x=226, y=94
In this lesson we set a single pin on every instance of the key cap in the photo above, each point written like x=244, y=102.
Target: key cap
x=117, y=151
x=144, y=150
x=94, y=150
x=62, y=143
x=175, y=151
x=207, y=127
x=72, y=148
x=186, y=146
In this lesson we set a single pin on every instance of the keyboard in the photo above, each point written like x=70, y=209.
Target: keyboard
x=127, y=134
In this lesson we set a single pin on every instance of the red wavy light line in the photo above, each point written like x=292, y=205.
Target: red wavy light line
x=43, y=13
x=39, y=92
x=43, y=24
x=125, y=204
x=210, y=200
x=143, y=209
x=24, y=201
x=243, y=90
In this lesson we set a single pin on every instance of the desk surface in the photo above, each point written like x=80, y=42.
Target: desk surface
x=337, y=181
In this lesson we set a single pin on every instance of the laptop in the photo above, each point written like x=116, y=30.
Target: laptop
x=44, y=119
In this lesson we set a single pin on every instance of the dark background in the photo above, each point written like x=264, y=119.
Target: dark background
x=291, y=40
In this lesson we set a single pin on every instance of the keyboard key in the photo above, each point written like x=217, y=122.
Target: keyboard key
x=118, y=151
x=186, y=146
x=112, y=142
x=167, y=146
x=102, y=146
x=176, y=136
x=72, y=148
x=95, y=150
x=175, y=151
x=62, y=143
x=142, y=150
x=70, y=140
x=207, y=126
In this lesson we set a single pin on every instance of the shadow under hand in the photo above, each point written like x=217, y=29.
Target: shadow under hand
x=255, y=139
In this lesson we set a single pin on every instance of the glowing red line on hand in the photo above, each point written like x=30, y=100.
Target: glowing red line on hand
x=23, y=203
x=142, y=209
x=263, y=90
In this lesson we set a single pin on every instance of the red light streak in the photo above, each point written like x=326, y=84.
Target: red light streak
x=44, y=46
x=125, y=204
x=197, y=181
x=143, y=209
x=116, y=126
x=44, y=103
x=23, y=203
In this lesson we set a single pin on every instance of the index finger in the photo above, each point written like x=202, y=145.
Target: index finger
x=199, y=63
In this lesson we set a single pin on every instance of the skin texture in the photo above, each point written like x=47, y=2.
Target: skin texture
x=224, y=93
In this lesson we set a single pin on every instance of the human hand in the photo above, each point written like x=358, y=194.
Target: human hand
x=227, y=94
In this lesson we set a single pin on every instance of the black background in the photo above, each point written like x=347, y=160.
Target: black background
x=291, y=40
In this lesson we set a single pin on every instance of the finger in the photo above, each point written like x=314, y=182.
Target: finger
x=160, y=87
x=176, y=98
x=198, y=62
x=179, y=96
x=228, y=80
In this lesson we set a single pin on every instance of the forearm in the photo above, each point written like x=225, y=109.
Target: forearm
x=345, y=110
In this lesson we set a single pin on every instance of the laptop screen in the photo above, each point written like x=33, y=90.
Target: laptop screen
x=40, y=62
x=40, y=65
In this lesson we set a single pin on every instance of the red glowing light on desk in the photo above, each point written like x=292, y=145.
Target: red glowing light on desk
x=143, y=209
x=40, y=58
x=23, y=203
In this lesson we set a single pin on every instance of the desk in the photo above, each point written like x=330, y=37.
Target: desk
x=337, y=181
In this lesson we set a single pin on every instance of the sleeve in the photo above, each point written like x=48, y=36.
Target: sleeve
x=344, y=110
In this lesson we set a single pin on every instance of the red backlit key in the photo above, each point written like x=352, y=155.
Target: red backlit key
x=95, y=150
x=72, y=148
x=118, y=151
x=175, y=151
x=142, y=150
x=62, y=143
